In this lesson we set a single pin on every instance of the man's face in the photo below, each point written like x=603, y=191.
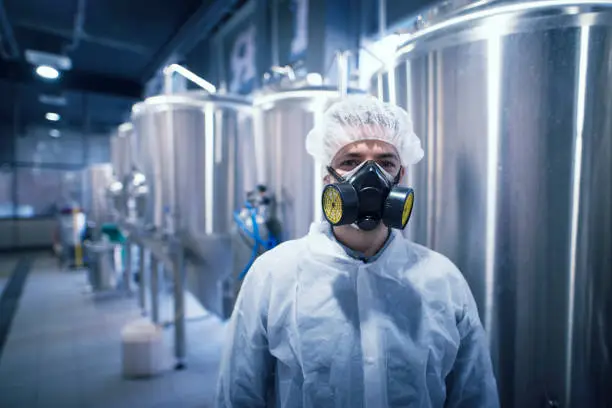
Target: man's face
x=352, y=155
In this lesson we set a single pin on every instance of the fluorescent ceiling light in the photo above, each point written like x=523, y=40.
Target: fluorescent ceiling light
x=37, y=58
x=56, y=100
x=47, y=72
x=54, y=133
x=53, y=117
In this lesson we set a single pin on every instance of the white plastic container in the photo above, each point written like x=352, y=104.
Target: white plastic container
x=143, y=351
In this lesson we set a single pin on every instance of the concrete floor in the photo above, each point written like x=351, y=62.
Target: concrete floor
x=7, y=264
x=64, y=348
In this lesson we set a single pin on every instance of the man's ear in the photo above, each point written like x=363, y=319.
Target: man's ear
x=327, y=179
x=402, y=172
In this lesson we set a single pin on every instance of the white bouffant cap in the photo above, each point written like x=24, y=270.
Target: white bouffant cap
x=363, y=117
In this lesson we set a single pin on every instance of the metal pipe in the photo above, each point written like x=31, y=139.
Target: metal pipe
x=274, y=33
x=79, y=23
x=178, y=274
x=382, y=18
x=127, y=271
x=172, y=69
x=155, y=289
x=78, y=249
x=342, y=64
x=141, y=279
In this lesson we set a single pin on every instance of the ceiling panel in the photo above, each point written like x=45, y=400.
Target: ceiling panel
x=119, y=40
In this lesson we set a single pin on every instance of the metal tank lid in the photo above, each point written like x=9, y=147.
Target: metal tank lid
x=301, y=93
x=298, y=89
x=195, y=99
x=124, y=129
x=452, y=14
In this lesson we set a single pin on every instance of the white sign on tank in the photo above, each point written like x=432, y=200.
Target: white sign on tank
x=242, y=60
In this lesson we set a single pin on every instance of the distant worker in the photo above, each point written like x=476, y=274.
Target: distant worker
x=353, y=314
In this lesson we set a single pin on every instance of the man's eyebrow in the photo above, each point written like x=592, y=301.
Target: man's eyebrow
x=357, y=155
x=352, y=155
x=387, y=156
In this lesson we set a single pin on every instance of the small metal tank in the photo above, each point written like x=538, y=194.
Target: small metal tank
x=134, y=186
x=122, y=167
x=96, y=180
x=120, y=152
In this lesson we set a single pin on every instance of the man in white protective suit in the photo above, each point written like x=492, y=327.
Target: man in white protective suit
x=353, y=314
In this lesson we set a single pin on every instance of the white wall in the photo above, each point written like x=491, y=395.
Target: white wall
x=47, y=173
x=26, y=233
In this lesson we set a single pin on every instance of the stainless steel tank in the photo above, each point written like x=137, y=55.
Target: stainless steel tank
x=120, y=151
x=513, y=105
x=121, y=164
x=283, y=119
x=132, y=160
x=134, y=187
x=96, y=180
x=197, y=154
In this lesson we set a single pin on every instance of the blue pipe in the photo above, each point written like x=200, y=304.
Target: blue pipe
x=255, y=236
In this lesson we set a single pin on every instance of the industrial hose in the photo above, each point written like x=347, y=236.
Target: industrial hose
x=270, y=243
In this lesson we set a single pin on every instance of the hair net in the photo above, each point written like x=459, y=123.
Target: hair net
x=363, y=117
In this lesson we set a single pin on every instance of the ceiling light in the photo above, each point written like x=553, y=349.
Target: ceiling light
x=47, y=72
x=37, y=58
x=53, y=117
x=54, y=133
x=56, y=100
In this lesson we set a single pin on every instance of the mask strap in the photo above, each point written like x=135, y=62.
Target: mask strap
x=397, y=178
x=335, y=174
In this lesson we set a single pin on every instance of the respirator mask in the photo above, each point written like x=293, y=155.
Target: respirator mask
x=366, y=196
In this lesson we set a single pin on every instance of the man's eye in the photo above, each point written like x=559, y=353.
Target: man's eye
x=387, y=164
x=349, y=164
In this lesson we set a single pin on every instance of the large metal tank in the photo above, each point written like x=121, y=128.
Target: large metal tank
x=198, y=156
x=283, y=119
x=514, y=107
x=97, y=178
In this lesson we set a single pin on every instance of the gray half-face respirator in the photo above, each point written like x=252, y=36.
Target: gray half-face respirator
x=366, y=196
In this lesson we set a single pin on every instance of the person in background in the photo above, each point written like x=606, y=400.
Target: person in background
x=353, y=314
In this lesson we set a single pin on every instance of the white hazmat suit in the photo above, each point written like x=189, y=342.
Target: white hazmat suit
x=323, y=329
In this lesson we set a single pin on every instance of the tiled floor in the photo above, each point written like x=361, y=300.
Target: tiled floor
x=64, y=350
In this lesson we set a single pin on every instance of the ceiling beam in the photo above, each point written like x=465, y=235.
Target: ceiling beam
x=71, y=81
x=69, y=34
x=8, y=132
x=7, y=37
x=195, y=28
x=93, y=127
